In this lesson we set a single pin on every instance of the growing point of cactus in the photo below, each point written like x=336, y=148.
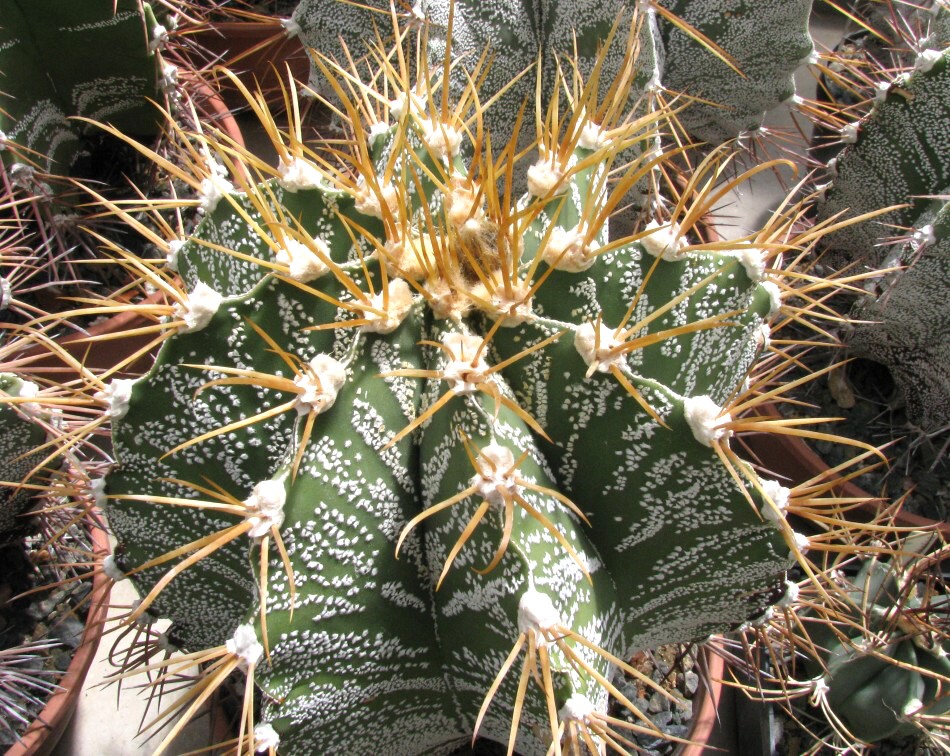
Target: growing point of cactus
x=424, y=458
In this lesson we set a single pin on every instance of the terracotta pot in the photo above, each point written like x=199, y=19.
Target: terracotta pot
x=44, y=733
x=712, y=729
x=258, y=52
x=793, y=461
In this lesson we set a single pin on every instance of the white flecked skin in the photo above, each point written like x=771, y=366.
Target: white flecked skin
x=94, y=62
x=374, y=658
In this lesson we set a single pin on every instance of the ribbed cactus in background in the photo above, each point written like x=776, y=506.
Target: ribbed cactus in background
x=425, y=458
x=898, y=154
x=20, y=437
x=61, y=59
x=736, y=56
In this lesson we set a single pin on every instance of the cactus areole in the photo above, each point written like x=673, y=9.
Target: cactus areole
x=450, y=455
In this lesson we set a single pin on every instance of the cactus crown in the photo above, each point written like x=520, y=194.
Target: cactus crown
x=477, y=449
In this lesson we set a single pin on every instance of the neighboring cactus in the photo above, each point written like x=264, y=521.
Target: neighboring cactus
x=95, y=59
x=884, y=666
x=468, y=441
x=20, y=437
x=737, y=56
x=897, y=155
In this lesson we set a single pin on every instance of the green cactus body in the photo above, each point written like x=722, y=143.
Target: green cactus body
x=883, y=683
x=766, y=42
x=20, y=436
x=407, y=384
x=898, y=158
x=61, y=59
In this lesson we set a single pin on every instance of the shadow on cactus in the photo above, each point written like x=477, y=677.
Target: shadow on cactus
x=425, y=459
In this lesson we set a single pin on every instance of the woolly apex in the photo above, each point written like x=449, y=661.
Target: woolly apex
x=319, y=386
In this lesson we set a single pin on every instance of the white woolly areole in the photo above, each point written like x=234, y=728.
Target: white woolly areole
x=442, y=140
x=6, y=293
x=171, y=257
x=705, y=419
x=567, y=250
x=116, y=397
x=495, y=475
x=881, y=90
x=791, y=594
x=775, y=296
x=298, y=174
x=303, y=264
x=577, y=708
x=536, y=613
x=753, y=260
x=801, y=542
x=245, y=646
x=849, y=133
x=763, y=335
x=592, y=137
x=543, y=177
x=265, y=737
x=395, y=307
x=97, y=492
x=926, y=60
x=924, y=237
x=202, y=303
x=367, y=201
x=111, y=570
x=595, y=346
x=291, y=27
x=266, y=507
x=508, y=302
x=377, y=130
x=663, y=240
x=214, y=187
x=461, y=375
x=779, y=495
x=318, y=387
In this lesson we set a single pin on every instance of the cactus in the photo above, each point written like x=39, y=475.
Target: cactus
x=22, y=436
x=746, y=51
x=424, y=459
x=884, y=664
x=896, y=157
x=96, y=61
